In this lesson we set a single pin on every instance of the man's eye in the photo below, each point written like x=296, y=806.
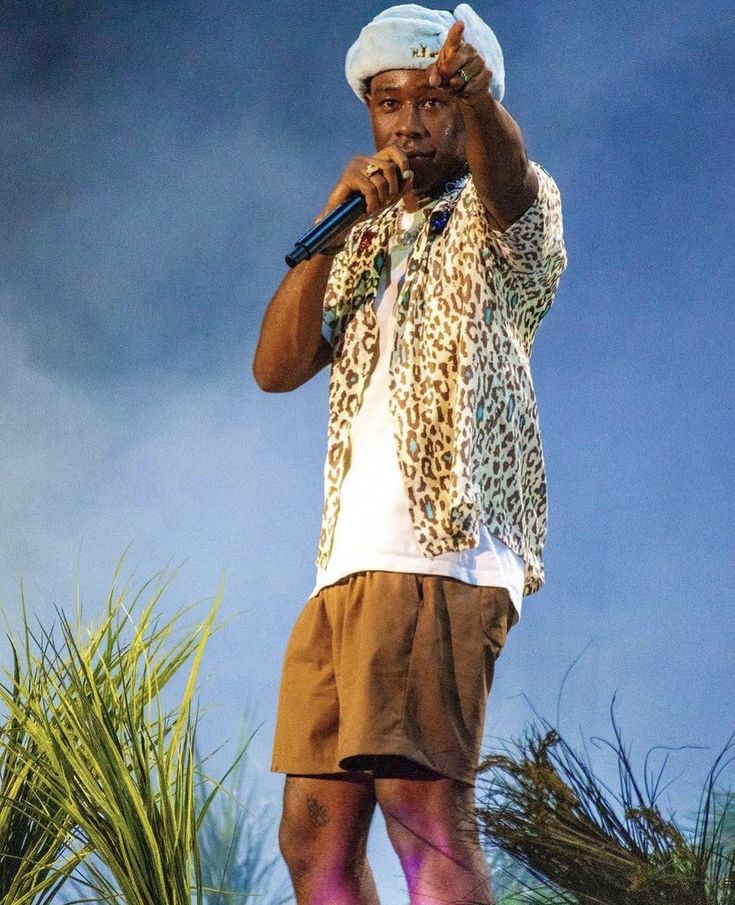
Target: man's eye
x=388, y=101
x=432, y=102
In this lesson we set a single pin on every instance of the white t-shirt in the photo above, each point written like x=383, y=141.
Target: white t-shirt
x=373, y=530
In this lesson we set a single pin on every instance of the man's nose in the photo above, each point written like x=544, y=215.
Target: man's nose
x=410, y=121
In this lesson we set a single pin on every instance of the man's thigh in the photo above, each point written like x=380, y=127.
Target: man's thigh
x=331, y=810
x=422, y=808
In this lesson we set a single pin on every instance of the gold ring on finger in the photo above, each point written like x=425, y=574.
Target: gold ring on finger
x=371, y=170
x=463, y=75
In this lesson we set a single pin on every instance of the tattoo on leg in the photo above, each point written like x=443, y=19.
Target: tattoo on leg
x=317, y=812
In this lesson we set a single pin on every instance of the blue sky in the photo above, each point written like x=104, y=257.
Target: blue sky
x=158, y=161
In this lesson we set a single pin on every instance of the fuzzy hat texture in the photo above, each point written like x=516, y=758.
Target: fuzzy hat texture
x=410, y=37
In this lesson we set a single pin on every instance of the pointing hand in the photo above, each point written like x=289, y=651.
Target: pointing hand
x=460, y=68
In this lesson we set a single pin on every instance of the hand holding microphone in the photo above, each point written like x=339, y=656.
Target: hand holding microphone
x=366, y=186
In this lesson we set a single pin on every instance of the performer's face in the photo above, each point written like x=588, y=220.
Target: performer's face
x=422, y=121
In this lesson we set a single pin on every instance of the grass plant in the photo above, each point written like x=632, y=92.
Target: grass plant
x=584, y=844
x=108, y=770
x=34, y=829
x=236, y=844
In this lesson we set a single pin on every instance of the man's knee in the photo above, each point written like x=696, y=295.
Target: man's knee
x=298, y=847
x=308, y=855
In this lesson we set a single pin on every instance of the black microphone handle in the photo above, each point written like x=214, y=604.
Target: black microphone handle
x=326, y=229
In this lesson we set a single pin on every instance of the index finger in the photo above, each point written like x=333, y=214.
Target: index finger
x=453, y=40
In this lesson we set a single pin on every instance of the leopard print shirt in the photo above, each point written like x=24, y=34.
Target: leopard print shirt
x=461, y=394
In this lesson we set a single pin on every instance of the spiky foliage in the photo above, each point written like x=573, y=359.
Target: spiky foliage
x=117, y=769
x=543, y=804
x=33, y=828
x=726, y=802
x=237, y=857
x=514, y=884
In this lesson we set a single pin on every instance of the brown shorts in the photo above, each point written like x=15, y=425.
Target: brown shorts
x=390, y=663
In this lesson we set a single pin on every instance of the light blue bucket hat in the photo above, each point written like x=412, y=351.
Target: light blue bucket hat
x=410, y=37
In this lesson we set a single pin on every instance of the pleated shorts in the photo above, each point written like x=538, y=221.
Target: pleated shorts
x=386, y=665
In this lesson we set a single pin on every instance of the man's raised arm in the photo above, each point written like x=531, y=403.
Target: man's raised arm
x=506, y=184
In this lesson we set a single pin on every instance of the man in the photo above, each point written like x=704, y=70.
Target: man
x=435, y=494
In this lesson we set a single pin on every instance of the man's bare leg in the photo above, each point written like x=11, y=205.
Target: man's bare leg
x=431, y=825
x=323, y=838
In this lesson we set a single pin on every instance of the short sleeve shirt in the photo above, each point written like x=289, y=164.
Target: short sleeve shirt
x=461, y=391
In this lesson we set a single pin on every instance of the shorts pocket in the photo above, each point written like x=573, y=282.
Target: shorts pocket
x=497, y=617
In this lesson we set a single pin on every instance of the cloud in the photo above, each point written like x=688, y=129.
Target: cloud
x=178, y=468
x=149, y=212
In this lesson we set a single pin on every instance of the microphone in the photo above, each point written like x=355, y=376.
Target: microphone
x=326, y=229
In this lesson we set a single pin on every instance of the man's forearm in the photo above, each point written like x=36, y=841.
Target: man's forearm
x=497, y=158
x=290, y=348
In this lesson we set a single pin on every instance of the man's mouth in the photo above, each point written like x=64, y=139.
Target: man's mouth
x=411, y=151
